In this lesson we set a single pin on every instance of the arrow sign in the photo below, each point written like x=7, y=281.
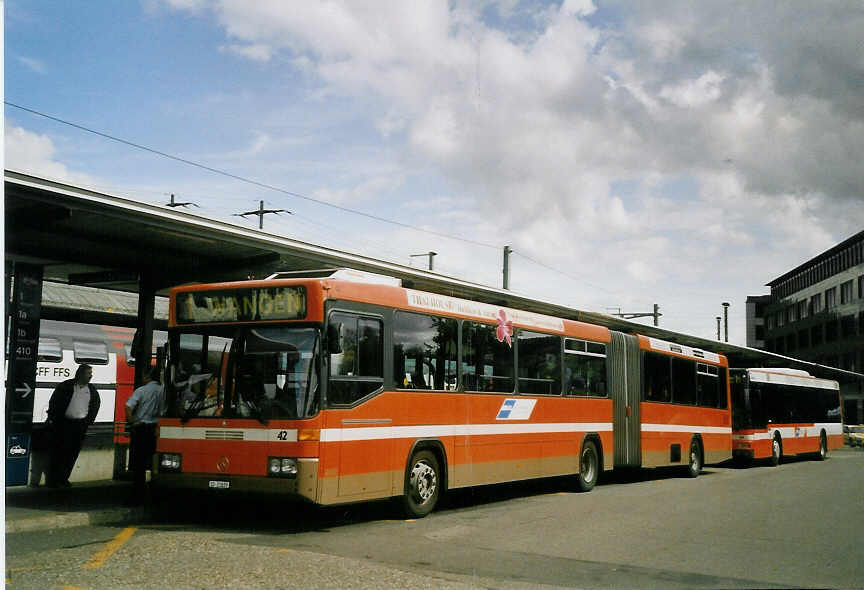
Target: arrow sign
x=25, y=388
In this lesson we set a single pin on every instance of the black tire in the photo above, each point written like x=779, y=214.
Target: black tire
x=694, y=465
x=589, y=467
x=422, y=484
x=776, y=450
x=823, y=447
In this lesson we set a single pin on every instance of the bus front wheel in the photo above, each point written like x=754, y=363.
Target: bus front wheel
x=589, y=467
x=422, y=484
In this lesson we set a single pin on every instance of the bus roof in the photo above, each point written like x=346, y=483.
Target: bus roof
x=793, y=377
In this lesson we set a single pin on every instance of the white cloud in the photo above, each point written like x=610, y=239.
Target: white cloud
x=34, y=64
x=694, y=93
x=735, y=127
x=34, y=153
x=254, y=51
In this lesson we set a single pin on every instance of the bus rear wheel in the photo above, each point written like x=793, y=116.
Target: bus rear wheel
x=694, y=466
x=823, y=446
x=422, y=485
x=589, y=467
x=776, y=450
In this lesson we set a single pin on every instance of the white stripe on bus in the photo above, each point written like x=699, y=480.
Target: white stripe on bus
x=378, y=432
x=686, y=428
x=394, y=432
x=789, y=431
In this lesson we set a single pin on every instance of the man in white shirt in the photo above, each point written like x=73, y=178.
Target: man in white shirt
x=142, y=413
x=72, y=408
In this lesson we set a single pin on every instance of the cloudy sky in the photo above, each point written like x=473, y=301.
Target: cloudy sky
x=630, y=153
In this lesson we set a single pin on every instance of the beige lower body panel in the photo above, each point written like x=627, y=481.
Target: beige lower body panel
x=502, y=471
x=662, y=458
x=466, y=475
x=362, y=487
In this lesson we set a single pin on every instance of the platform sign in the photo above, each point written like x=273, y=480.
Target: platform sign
x=25, y=310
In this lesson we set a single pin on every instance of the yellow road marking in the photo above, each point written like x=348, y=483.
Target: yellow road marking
x=113, y=545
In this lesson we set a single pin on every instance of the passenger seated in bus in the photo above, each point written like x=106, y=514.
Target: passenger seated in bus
x=418, y=381
x=575, y=385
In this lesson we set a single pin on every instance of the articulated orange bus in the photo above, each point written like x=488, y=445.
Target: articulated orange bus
x=350, y=387
x=777, y=412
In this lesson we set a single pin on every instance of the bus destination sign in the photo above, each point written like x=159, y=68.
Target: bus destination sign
x=241, y=305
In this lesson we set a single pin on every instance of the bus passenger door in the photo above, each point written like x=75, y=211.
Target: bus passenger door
x=624, y=380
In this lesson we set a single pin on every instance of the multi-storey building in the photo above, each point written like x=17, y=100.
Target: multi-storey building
x=816, y=311
x=755, y=312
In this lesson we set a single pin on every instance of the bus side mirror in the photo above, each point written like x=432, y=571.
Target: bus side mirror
x=335, y=337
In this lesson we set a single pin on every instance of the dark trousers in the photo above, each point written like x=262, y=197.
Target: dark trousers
x=141, y=449
x=66, y=444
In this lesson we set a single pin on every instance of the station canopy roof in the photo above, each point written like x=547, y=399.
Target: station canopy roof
x=93, y=239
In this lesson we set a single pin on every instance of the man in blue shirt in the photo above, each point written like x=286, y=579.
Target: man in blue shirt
x=142, y=413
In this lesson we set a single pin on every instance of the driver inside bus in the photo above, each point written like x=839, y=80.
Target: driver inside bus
x=252, y=395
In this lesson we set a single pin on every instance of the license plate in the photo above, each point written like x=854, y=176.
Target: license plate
x=222, y=485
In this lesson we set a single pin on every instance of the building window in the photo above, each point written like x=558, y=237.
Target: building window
x=847, y=326
x=846, y=292
x=861, y=287
x=816, y=304
x=831, y=298
x=816, y=335
x=802, y=309
x=831, y=331
x=781, y=318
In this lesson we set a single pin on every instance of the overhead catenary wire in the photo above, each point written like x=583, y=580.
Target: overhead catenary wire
x=245, y=179
x=274, y=188
x=562, y=273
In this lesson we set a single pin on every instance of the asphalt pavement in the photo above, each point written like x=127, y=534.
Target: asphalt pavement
x=83, y=504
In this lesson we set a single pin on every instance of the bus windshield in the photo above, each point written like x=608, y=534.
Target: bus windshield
x=260, y=372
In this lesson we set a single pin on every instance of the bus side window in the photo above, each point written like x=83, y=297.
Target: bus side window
x=658, y=377
x=424, y=351
x=539, y=363
x=488, y=364
x=358, y=369
x=584, y=368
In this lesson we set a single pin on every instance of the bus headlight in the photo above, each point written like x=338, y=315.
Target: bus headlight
x=281, y=467
x=169, y=462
